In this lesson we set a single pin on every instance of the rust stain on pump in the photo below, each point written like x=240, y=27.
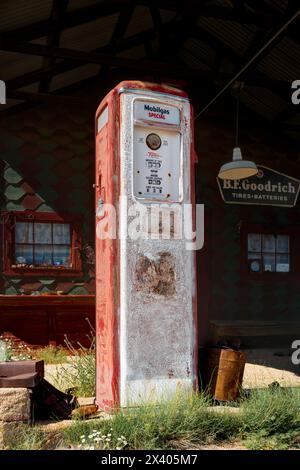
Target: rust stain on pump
x=155, y=276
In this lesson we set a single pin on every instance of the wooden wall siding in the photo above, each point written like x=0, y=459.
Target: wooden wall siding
x=39, y=320
x=1, y=205
x=224, y=293
x=48, y=158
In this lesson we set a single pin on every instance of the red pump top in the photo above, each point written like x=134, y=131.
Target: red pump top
x=138, y=85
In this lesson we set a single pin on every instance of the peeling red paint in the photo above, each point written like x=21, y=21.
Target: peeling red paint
x=107, y=361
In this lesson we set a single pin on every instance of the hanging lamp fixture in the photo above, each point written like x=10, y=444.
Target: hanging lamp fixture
x=237, y=168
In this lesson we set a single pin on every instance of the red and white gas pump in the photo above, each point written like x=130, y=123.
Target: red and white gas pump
x=146, y=324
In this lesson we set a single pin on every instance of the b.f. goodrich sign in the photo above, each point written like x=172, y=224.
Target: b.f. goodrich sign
x=268, y=187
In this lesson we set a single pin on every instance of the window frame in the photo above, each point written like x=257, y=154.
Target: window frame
x=267, y=275
x=10, y=218
x=260, y=255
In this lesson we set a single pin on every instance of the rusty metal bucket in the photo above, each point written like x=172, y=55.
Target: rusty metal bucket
x=221, y=372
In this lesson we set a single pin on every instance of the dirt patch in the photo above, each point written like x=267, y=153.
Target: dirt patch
x=224, y=446
x=257, y=376
x=266, y=366
x=182, y=444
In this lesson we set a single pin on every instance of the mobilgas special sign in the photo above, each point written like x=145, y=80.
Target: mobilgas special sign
x=157, y=112
x=268, y=187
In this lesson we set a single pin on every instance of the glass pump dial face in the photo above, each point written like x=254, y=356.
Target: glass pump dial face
x=156, y=164
x=153, y=141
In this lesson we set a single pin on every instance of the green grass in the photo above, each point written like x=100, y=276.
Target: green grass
x=25, y=438
x=269, y=419
x=78, y=372
x=51, y=354
x=280, y=441
x=161, y=426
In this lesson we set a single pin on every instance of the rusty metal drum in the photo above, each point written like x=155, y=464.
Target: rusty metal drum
x=221, y=372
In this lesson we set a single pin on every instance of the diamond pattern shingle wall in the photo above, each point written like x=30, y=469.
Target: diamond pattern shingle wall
x=48, y=158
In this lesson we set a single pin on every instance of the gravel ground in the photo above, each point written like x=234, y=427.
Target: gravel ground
x=256, y=376
x=266, y=366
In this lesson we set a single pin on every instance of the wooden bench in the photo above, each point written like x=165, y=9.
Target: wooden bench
x=229, y=330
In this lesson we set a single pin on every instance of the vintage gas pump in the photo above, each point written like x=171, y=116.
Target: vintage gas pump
x=146, y=323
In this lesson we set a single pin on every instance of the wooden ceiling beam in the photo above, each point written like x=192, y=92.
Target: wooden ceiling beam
x=239, y=15
x=263, y=8
x=65, y=66
x=193, y=76
x=105, y=55
x=261, y=37
x=281, y=90
x=59, y=10
x=109, y=7
x=84, y=57
x=72, y=19
x=48, y=97
x=122, y=23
